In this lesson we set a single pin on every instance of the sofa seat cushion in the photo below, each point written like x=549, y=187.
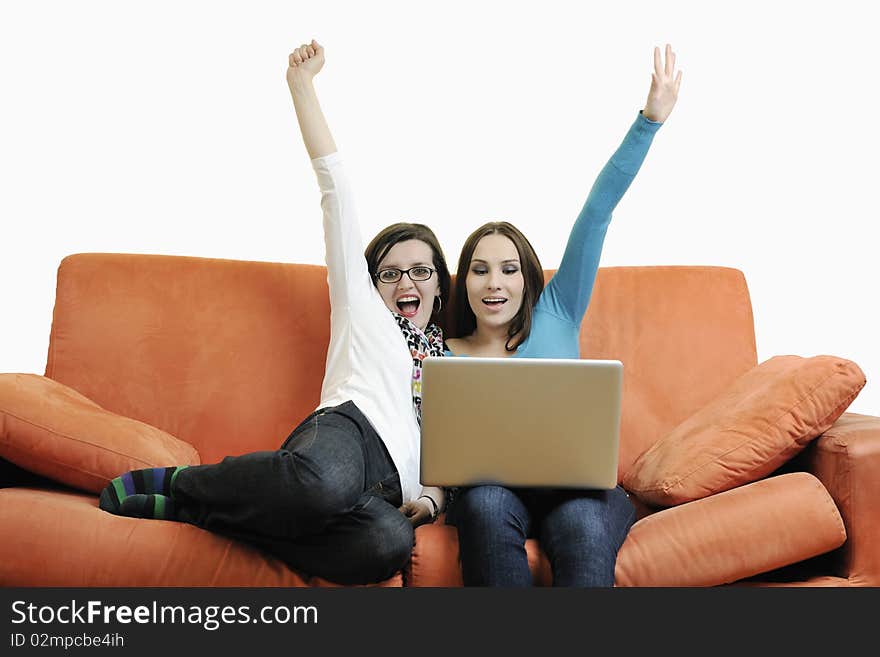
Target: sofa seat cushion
x=54, y=431
x=760, y=421
x=55, y=538
x=732, y=535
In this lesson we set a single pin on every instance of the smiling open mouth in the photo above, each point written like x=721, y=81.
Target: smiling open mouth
x=408, y=306
x=494, y=301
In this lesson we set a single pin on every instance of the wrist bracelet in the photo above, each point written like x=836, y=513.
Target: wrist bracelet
x=436, y=511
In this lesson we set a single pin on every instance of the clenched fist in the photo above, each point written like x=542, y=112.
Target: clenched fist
x=305, y=62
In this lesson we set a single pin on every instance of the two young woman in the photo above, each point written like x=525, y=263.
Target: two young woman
x=341, y=497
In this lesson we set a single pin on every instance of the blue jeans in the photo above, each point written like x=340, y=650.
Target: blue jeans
x=326, y=503
x=580, y=532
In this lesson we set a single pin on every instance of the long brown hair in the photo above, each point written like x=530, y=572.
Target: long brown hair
x=533, y=277
x=380, y=245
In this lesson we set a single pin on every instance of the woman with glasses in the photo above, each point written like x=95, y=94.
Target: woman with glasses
x=502, y=309
x=341, y=497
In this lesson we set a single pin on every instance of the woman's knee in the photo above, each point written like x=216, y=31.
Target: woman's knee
x=398, y=538
x=598, y=522
x=489, y=506
x=387, y=547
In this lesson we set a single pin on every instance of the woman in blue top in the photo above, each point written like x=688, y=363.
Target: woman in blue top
x=501, y=310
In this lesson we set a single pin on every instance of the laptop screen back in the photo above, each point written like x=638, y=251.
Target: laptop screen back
x=520, y=422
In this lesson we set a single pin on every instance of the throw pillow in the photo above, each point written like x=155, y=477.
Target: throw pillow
x=764, y=418
x=54, y=431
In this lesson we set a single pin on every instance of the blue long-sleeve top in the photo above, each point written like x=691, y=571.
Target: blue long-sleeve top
x=557, y=316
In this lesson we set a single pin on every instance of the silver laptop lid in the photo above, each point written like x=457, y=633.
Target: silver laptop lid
x=520, y=422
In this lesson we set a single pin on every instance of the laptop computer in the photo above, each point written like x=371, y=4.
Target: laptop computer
x=520, y=422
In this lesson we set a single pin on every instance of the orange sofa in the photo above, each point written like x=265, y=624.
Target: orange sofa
x=158, y=360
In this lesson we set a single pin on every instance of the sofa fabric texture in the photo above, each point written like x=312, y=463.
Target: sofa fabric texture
x=225, y=355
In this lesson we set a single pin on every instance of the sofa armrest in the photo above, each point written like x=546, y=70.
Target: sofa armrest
x=846, y=459
x=732, y=535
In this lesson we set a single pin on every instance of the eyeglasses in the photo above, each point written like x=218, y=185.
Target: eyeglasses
x=417, y=273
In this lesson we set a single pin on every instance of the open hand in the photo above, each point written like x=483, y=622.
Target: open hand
x=664, y=87
x=418, y=512
x=305, y=61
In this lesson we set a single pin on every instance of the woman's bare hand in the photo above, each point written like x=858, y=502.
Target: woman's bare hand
x=664, y=87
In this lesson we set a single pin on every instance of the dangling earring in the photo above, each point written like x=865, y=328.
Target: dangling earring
x=440, y=306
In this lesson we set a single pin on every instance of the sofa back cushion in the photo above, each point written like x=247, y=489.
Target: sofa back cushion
x=683, y=335
x=226, y=355
x=229, y=355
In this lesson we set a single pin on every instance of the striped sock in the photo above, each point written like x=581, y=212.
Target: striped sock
x=158, y=507
x=138, y=482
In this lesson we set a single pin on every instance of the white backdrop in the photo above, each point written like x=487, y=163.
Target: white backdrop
x=167, y=127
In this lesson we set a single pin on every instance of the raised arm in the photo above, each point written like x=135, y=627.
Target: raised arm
x=347, y=274
x=304, y=63
x=568, y=294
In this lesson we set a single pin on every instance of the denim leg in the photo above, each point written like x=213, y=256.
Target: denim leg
x=581, y=534
x=319, y=473
x=492, y=524
x=368, y=544
x=326, y=503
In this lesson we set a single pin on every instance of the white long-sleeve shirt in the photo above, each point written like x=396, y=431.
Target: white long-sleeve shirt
x=368, y=361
